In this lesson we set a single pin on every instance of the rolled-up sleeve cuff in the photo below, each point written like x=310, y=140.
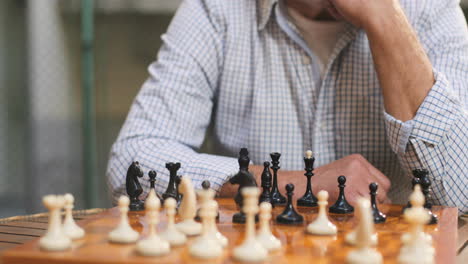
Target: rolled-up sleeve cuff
x=434, y=118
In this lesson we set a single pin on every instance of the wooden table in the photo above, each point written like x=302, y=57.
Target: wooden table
x=299, y=247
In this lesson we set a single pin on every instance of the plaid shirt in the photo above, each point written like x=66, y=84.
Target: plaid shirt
x=244, y=66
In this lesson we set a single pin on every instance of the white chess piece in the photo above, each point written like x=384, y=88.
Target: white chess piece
x=172, y=234
x=212, y=228
x=264, y=235
x=55, y=239
x=207, y=246
x=250, y=250
x=71, y=229
x=153, y=245
x=417, y=247
x=364, y=254
x=188, y=209
x=123, y=233
x=350, y=238
x=416, y=204
x=321, y=225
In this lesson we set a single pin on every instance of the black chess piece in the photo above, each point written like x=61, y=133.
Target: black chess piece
x=341, y=206
x=266, y=184
x=276, y=196
x=415, y=181
x=244, y=179
x=133, y=186
x=172, y=190
x=289, y=215
x=379, y=217
x=152, y=176
x=426, y=190
x=205, y=185
x=308, y=199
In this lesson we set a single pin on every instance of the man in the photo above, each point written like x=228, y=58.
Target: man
x=376, y=88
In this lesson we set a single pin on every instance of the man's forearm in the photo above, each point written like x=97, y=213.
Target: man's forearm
x=403, y=68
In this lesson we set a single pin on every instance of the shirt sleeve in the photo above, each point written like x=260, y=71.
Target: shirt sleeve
x=437, y=137
x=169, y=117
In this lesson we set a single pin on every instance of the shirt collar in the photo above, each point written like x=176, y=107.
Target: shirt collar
x=265, y=10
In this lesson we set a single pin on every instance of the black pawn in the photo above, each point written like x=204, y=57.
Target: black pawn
x=308, y=199
x=266, y=184
x=133, y=187
x=172, y=190
x=276, y=196
x=244, y=179
x=379, y=217
x=341, y=206
x=205, y=185
x=426, y=190
x=289, y=215
x=152, y=176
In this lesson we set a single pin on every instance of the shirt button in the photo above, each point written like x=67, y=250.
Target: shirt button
x=306, y=59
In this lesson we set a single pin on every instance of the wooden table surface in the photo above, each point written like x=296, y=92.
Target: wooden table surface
x=299, y=246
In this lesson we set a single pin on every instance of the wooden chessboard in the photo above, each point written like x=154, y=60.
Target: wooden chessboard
x=298, y=247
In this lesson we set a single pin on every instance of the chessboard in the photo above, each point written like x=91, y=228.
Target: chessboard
x=298, y=246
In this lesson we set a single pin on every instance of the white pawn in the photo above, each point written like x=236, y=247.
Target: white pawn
x=350, y=238
x=250, y=250
x=364, y=254
x=123, y=233
x=207, y=246
x=264, y=235
x=55, y=239
x=188, y=209
x=212, y=228
x=416, y=205
x=172, y=234
x=153, y=245
x=321, y=225
x=417, y=247
x=71, y=229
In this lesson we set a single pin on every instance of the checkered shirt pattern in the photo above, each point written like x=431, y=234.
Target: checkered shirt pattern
x=242, y=66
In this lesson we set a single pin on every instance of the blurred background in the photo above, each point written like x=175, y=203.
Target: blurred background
x=69, y=70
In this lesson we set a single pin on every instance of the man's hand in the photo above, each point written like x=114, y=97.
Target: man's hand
x=361, y=12
x=358, y=171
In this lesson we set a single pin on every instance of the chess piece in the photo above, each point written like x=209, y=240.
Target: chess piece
x=152, y=175
x=133, y=186
x=289, y=215
x=71, y=229
x=55, y=238
x=417, y=247
x=152, y=245
x=364, y=253
x=426, y=190
x=266, y=184
x=378, y=216
x=245, y=179
x=416, y=205
x=172, y=234
x=276, y=196
x=172, y=190
x=350, y=238
x=123, y=233
x=206, y=194
x=188, y=209
x=207, y=245
x=264, y=235
x=308, y=199
x=321, y=225
x=414, y=182
x=250, y=250
x=212, y=228
x=341, y=206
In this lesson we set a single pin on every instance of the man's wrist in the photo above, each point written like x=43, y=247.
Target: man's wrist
x=384, y=23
